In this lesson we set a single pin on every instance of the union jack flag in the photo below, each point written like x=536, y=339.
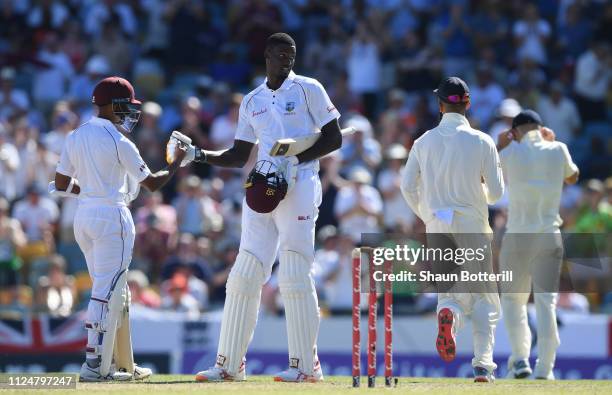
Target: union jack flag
x=41, y=333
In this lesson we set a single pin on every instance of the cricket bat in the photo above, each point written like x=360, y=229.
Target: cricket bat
x=296, y=145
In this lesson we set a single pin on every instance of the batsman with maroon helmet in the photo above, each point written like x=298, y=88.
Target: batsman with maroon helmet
x=278, y=214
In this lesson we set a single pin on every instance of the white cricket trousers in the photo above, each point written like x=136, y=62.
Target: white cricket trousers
x=535, y=261
x=105, y=234
x=483, y=308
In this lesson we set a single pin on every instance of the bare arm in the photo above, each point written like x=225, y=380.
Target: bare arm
x=237, y=156
x=330, y=140
x=573, y=178
x=62, y=181
x=157, y=180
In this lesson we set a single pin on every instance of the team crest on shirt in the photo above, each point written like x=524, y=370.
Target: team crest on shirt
x=289, y=107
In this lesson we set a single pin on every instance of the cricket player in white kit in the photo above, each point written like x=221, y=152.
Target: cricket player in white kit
x=452, y=172
x=101, y=167
x=285, y=105
x=535, y=167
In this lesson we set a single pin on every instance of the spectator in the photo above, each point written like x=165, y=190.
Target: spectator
x=176, y=298
x=486, y=96
x=153, y=204
x=82, y=86
x=359, y=206
x=115, y=49
x=574, y=33
x=139, y=288
x=13, y=102
x=51, y=80
x=456, y=36
x=151, y=246
x=364, y=68
x=56, y=292
x=397, y=216
x=12, y=239
x=149, y=137
x=593, y=217
x=223, y=128
x=592, y=79
x=361, y=148
x=530, y=35
x=64, y=121
x=106, y=11
x=37, y=215
x=507, y=110
x=196, y=212
x=9, y=163
x=48, y=15
x=559, y=113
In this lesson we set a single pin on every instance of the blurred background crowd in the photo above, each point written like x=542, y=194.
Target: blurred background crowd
x=191, y=61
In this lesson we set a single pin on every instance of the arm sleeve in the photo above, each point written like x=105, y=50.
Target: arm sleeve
x=65, y=166
x=244, y=130
x=492, y=172
x=319, y=104
x=411, y=178
x=569, y=167
x=132, y=161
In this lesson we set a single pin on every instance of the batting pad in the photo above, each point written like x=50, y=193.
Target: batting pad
x=242, y=298
x=116, y=303
x=301, y=309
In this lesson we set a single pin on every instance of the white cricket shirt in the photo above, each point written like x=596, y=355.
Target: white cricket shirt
x=102, y=159
x=299, y=107
x=535, y=170
x=444, y=170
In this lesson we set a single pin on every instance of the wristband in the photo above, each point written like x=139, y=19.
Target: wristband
x=70, y=185
x=200, y=156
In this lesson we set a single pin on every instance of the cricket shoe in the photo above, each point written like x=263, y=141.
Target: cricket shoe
x=482, y=375
x=445, y=343
x=549, y=376
x=140, y=373
x=218, y=374
x=519, y=370
x=92, y=375
x=295, y=375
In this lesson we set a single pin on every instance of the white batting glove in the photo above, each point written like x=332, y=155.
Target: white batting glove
x=289, y=167
x=179, y=138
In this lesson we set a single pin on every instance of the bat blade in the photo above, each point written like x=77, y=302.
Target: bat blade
x=296, y=145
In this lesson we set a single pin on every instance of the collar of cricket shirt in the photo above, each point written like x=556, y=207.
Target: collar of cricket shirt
x=532, y=137
x=286, y=83
x=453, y=119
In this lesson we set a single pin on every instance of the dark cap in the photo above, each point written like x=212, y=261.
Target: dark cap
x=113, y=88
x=525, y=117
x=453, y=90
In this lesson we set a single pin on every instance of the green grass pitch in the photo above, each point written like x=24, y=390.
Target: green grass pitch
x=185, y=384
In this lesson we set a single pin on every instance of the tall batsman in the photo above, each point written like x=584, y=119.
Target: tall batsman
x=279, y=213
x=101, y=167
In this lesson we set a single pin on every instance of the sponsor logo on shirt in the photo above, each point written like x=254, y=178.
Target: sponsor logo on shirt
x=262, y=111
x=303, y=217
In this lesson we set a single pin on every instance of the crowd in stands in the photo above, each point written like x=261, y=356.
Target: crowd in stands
x=191, y=62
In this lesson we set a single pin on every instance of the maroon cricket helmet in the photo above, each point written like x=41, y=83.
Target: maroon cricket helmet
x=265, y=187
x=114, y=89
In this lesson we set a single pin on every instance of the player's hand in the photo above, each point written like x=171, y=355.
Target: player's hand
x=177, y=139
x=505, y=138
x=289, y=169
x=548, y=134
x=180, y=153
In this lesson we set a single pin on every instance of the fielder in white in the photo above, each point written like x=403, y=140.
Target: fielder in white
x=452, y=172
x=535, y=167
x=101, y=167
x=278, y=215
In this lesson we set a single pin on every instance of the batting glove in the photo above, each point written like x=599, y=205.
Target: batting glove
x=179, y=138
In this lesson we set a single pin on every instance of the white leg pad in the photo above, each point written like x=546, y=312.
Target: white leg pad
x=123, y=353
x=242, y=298
x=117, y=299
x=301, y=309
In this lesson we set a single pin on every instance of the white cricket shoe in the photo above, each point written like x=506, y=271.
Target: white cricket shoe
x=295, y=375
x=519, y=370
x=549, y=376
x=218, y=374
x=140, y=373
x=92, y=375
